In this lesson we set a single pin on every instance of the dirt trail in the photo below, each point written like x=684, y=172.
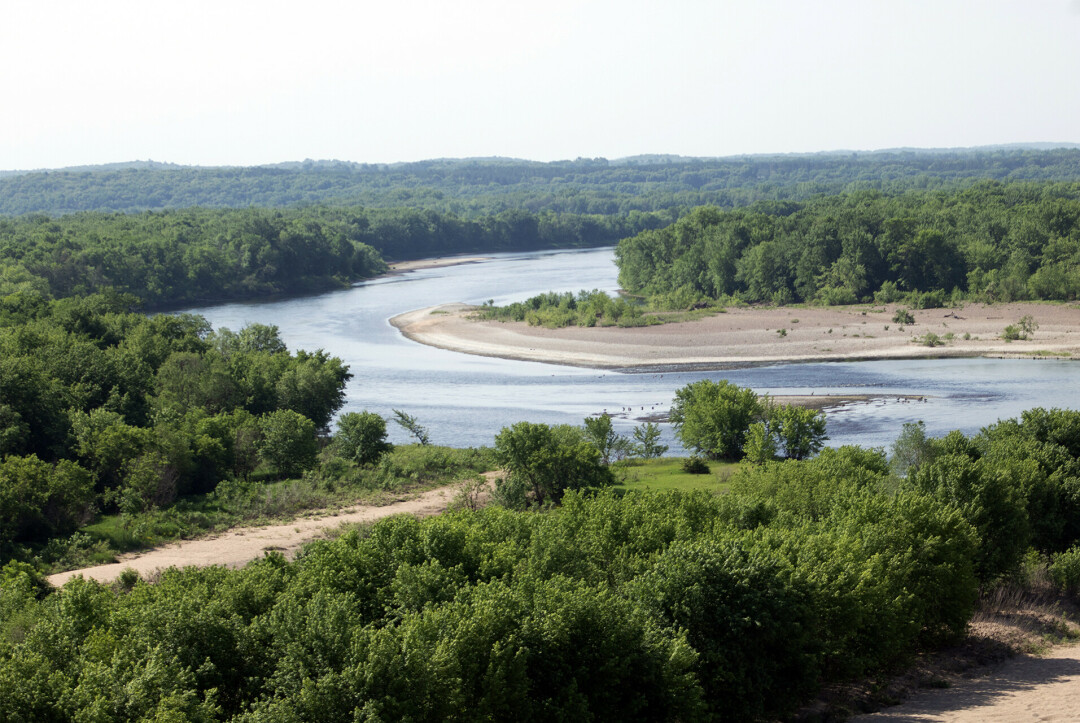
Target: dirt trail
x=1025, y=688
x=239, y=546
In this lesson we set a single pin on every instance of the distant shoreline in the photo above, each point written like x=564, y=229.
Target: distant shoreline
x=750, y=336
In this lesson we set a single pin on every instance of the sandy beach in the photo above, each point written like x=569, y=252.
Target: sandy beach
x=755, y=335
x=401, y=267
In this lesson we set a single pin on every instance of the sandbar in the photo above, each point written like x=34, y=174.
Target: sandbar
x=746, y=336
x=400, y=267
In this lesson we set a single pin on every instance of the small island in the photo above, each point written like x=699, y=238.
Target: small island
x=748, y=335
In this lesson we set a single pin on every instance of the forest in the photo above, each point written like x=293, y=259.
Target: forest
x=988, y=242
x=478, y=187
x=190, y=256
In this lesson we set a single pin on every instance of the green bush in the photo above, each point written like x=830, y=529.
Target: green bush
x=1065, y=570
x=695, y=465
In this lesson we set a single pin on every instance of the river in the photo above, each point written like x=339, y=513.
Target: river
x=465, y=400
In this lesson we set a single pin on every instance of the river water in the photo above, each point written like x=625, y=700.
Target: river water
x=465, y=400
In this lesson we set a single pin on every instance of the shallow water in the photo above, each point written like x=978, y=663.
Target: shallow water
x=465, y=400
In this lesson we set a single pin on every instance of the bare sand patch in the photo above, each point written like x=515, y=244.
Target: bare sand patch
x=756, y=335
x=400, y=267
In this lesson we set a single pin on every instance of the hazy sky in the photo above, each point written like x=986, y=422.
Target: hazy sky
x=244, y=82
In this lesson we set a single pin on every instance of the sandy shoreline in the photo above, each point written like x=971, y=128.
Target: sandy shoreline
x=401, y=267
x=751, y=335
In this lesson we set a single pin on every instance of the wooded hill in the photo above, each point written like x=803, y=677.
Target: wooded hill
x=472, y=187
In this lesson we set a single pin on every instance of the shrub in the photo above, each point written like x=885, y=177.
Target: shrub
x=1065, y=570
x=903, y=316
x=695, y=465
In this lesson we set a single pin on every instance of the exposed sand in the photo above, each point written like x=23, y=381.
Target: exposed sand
x=1025, y=688
x=400, y=267
x=239, y=546
x=743, y=336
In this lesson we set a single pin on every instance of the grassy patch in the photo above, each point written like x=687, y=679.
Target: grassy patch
x=666, y=474
x=1047, y=353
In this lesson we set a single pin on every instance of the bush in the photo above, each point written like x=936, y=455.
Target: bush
x=1065, y=570
x=903, y=316
x=695, y=465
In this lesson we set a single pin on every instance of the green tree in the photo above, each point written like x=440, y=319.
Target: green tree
x=288, y=441
x=911, y=449
x=547, y=461
x=760, y=444
x=712, y=418
x=361, y=437
x=648, y=440
x=800, y=432
x=602, y=434
x=411, y=425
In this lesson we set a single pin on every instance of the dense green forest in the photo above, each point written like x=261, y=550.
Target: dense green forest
x=991, y=241
x=473, y=187
x=197, y=255
x=645, y=607
x=108, y=410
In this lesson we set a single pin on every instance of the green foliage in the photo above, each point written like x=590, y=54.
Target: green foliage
x=544, y=462
x=411, y=425
x=361, y=437
x=903, y=316
x=1022, y=330
x=928, y=248
x=1065, y=570
x=929, y=339
x=587, y=308
x=695, y=465
x=288, y=441
x=611, y=445
x=712, y=418
x=799, y=432
x=760, y=446
x=647, y=436
x=39, y=499
x=911, y=448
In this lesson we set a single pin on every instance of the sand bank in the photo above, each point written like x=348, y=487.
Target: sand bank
x=752, y=335
x=401, y=267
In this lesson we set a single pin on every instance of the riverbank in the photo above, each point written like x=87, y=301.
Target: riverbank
x=758, y=335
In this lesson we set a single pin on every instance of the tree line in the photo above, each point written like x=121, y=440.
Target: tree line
x=477, y=187
x=168, y=258
x=990, y=242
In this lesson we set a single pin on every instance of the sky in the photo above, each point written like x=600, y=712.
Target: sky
x=241, y=82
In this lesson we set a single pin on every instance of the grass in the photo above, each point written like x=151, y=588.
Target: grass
x=1047, y=353
x=666, y=474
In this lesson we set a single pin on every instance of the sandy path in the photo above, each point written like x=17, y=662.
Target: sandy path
x=237, y=547
x=1026, y=688
x=752, y=335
